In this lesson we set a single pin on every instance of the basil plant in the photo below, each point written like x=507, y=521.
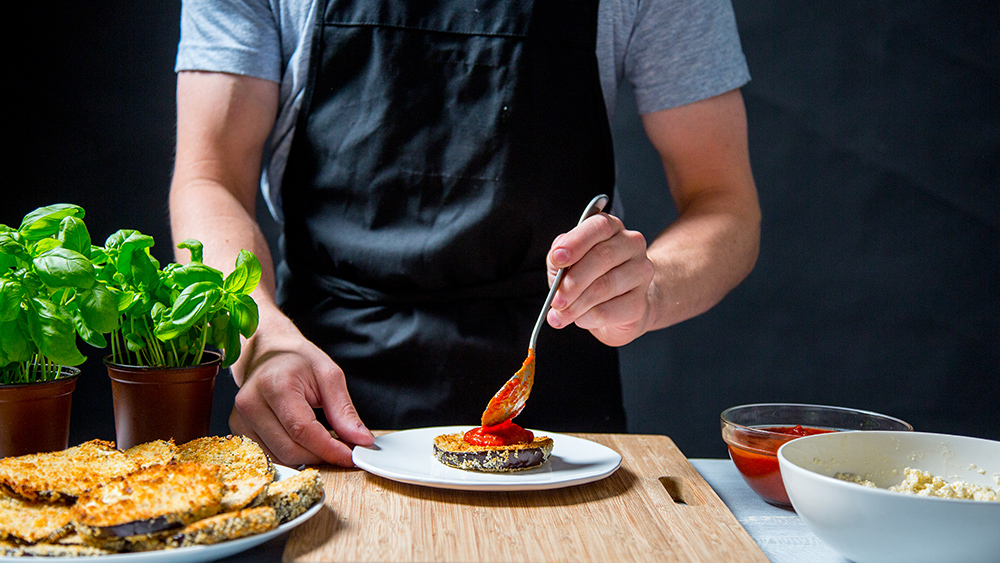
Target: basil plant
x=57, y=288
x=170, y=316
x=50, y=295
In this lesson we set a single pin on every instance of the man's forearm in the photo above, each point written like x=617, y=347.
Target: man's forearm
x=702, y=256
x=222, y=123
x=207, y=212
x=714, y=244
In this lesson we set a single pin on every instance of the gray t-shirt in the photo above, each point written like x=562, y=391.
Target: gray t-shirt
x=672, y=52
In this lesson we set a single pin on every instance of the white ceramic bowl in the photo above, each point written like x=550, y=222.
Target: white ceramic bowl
x=870, y=525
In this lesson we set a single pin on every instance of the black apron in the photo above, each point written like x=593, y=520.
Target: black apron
x=441, y=147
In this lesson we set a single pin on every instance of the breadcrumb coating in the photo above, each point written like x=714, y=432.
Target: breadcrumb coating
x=63, y=475
x=33, y=521
x=148, y=501
x=293, y=496
x=96, y=500
x=246, y=469
x=454, y=451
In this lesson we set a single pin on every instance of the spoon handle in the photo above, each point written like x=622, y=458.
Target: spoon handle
x=595, y=206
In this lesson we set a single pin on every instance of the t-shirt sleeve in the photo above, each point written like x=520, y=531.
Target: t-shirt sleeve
x=239, y=37
x=682, y=51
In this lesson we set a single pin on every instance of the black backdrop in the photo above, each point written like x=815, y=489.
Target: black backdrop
x=875, y=141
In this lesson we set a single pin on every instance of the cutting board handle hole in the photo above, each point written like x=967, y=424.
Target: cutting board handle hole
x=680, y=491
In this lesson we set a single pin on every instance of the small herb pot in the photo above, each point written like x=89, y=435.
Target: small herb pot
x=162, y=403
x=34, y=417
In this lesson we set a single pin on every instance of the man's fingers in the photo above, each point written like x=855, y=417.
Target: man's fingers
x=330, y=392
x=599, y=263
x=239, y=427
x=570, y=247
x=617, y=298
x=299, y=423
x=281, y=417
x=299, y=430
x=346, y=423
x=268, y=430
x=611, y=268
x=622, y=312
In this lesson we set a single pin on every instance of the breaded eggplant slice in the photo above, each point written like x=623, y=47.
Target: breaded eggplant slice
x=246, y=469
x=148, y=501
x=10, y=549
x=157, y=452
x=44, y=549
x=33, y=521
x=64, y=475
x=292, y=496
x=72, y=538
x=454, y=451
x=214, y=529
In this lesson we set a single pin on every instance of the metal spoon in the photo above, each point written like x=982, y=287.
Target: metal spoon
x=509, y=400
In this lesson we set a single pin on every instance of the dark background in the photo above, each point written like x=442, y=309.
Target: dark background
x=875, y=141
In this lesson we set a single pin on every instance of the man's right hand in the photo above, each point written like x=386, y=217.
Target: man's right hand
x=282, y=377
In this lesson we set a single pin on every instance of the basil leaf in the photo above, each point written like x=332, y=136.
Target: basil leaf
x=122, y=245
x=128, y=238
x=44, y=221
x=126, y=299
x=98, y=255
x=11, y=248
x=74, y=235
x=11, y=295
x=62, y=267
x=89, y=336
x=217, y=327
x=143, y=270
x=190, y=307
x=231, y=348
x=44, y=245
x=194, y=247
x=159, y=312
x=134, y=341
x=243, y=313
x=99, y=308
x=15, y=343
x=192, y=273
x=246, y=276
x=51, y=328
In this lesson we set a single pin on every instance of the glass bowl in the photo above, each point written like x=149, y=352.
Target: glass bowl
x=755, y=432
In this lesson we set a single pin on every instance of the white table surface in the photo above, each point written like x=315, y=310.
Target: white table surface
x=779, y=532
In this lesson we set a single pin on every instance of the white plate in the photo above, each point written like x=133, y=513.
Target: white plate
x=193, y=554
x=407, y=456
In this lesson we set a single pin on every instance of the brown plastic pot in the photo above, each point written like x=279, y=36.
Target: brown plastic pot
x=34, y=417
x=157, y=403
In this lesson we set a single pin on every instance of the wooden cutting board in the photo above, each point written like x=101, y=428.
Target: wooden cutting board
x=655, y=507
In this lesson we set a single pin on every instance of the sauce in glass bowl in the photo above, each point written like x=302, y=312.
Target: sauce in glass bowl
x=753, y=434
x=757, y=459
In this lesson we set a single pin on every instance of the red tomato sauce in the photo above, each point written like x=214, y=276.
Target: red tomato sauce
x=757, y=460
x=504, y=434
x=503, y=400
x=500, y=401
x=797, y=430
